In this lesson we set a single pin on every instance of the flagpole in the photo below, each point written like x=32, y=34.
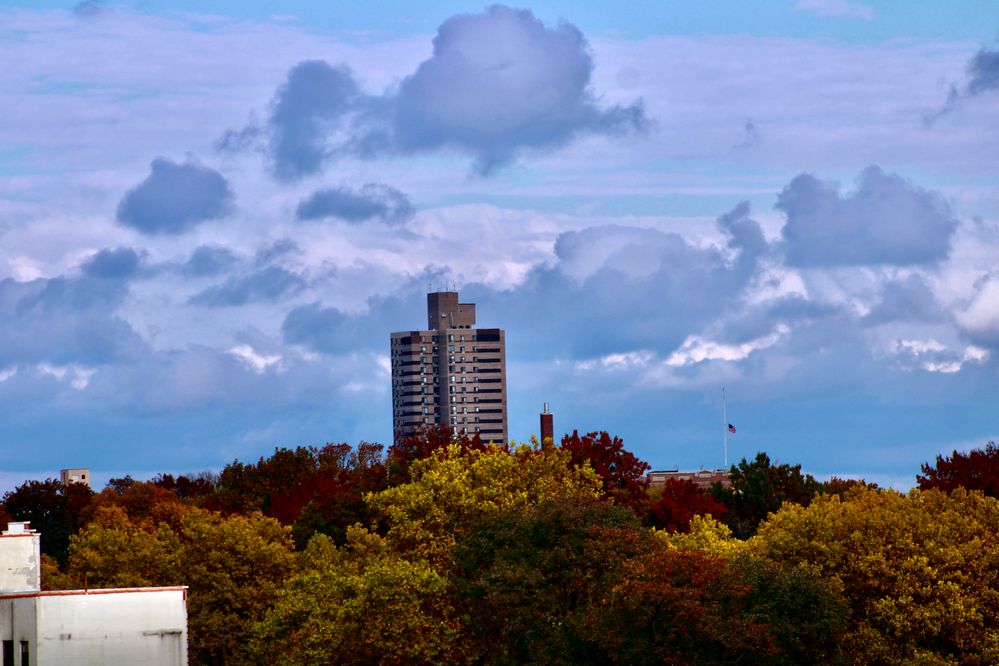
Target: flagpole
x=725, y=425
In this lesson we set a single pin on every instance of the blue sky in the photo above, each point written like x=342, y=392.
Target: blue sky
x=213, y=213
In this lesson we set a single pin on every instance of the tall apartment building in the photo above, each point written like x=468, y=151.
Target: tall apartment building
x=450, y=374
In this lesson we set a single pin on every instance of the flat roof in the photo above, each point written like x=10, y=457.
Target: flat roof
x=98, y=590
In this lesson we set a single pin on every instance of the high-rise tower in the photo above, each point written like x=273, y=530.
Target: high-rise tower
x=449, y=374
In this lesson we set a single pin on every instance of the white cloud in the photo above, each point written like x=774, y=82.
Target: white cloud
x=259, y=363
x=619, y=361
x=696, y=349
x=77, y=376
x=982, y=313
x=933, y=356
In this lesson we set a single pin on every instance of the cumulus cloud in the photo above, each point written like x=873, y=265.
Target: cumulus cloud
x=207, y=260
x=175, y=198
x=267, y=284
x=370, y=201
x=115, y=264
x=980, y=318
x=885, y=220
x=983, y=71
x=982, y=77
x=498, y=84
x=305, y=112
x=326, y=330
x=909, y=299
x=64, y=321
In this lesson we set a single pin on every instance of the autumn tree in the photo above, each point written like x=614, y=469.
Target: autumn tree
x=455, y=487
x=976, y=470
x=759, y=488
x=402, y=455
x=362, y=603
x=678, y=607
x=54, y=510
x=524, y=577
x=313, y=490
x=196, y=488
x=620, y=471
x=672, y=506
x=918, y=571
x=336, y=496
x=232, y=565
x=837, y=486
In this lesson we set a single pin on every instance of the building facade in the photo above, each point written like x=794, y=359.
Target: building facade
x=91, y=627
x=450, y=374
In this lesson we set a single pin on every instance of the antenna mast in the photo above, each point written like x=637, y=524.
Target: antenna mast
x=725, y=426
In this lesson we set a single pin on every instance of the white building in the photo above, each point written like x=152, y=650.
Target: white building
x=139, y=626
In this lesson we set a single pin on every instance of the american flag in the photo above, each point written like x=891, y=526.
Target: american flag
x=731, y=428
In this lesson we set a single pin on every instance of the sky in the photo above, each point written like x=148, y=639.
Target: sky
x=213, y=213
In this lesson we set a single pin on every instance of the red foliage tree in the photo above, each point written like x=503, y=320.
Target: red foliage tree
x=622, y=473
x=681, y=500
x=314, y=490
x=679, y=607
x=976, y=470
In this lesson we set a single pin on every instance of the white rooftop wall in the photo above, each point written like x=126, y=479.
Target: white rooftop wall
x=20, y=561
x=142, y=627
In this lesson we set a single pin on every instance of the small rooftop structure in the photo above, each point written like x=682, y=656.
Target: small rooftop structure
x=75, y=475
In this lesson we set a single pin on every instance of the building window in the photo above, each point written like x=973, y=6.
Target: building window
x=450, y=338
x=8, y=653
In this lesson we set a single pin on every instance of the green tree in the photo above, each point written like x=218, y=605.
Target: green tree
x=524, y=577
x=759, y=488
x=53, y=509
x=361, y=604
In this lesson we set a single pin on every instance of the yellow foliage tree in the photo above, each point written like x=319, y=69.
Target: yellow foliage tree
x=920, y=571
x=233, y=567
x=361, y=604
x=453, y=488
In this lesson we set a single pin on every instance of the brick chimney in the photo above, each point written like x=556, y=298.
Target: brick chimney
x=547, y=426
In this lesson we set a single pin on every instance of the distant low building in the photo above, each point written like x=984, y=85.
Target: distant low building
x=142, y=625
x=75, y=475
x=703, y=478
